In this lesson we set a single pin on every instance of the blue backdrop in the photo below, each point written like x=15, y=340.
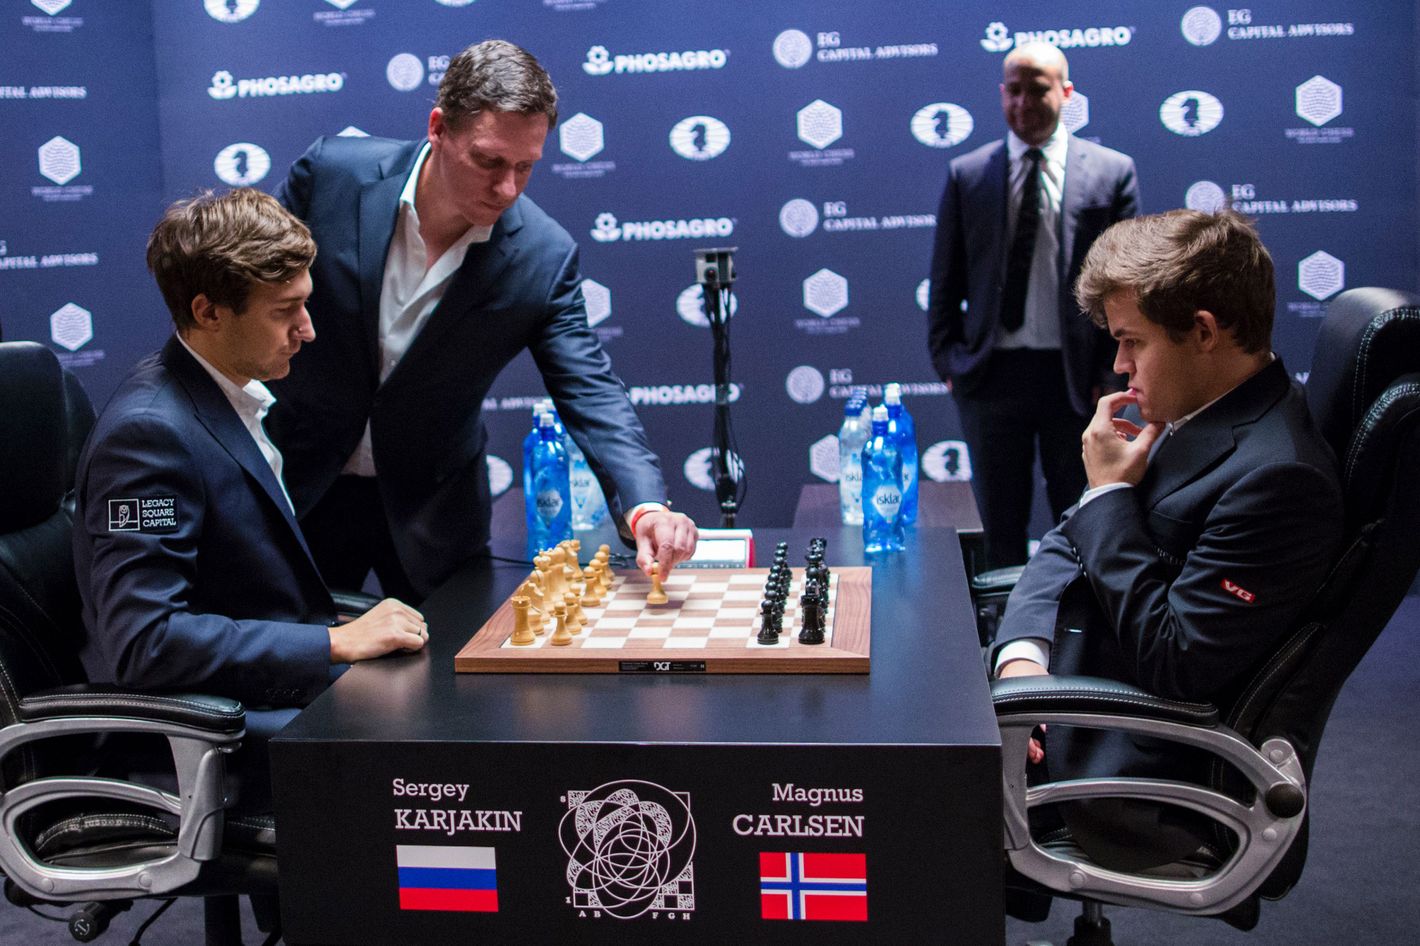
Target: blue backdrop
x=813, y=135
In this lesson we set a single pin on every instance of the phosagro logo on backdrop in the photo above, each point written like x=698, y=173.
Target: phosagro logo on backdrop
x=230, y=11
x=608, y=229
x=700, y=138
x=224, y=86
x=998, y=38
x=600, y=61
x=242, y=164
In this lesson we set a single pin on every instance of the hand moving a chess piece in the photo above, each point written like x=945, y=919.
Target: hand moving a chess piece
x=661, y=536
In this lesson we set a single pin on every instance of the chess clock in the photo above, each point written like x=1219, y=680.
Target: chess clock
x=723, y=548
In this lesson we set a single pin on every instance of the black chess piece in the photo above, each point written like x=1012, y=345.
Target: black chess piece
x=769, y=625
x=811, y=605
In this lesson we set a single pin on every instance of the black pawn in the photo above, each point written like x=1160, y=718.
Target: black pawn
x=769, y=625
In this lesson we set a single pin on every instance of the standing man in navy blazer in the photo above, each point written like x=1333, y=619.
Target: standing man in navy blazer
x=435, y=271
x=1016, y=220
x=1204, y=532
x=192, y=570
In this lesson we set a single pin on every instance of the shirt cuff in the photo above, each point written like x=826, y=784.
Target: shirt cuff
x=1098, y=491
x=1024, y=648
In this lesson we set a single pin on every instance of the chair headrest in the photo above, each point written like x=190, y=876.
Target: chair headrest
x=34, y=432
x=1369, y=338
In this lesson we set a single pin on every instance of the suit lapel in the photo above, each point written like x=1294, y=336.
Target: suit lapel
x=379, y=206
x=216, y=413
x=1211, y=435
x=1077, y=185
x=470, y=287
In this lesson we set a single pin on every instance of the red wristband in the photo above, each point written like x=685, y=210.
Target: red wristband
x=636, y=516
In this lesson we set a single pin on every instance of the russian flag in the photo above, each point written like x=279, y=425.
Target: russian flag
x=796, y=886
x=447, y=878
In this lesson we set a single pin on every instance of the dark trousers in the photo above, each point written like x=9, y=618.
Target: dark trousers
x=1021, y=404
x=349, y=534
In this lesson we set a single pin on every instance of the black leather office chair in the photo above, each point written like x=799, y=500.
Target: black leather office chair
x=1364, y=393
x=73, y=830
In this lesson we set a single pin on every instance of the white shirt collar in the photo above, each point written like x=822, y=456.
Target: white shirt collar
x=1054, y=148
x=254, y=400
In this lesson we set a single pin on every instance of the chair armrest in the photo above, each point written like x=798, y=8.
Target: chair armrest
x=1265, y=825
x=997, y=581
x=354, y=603
x=215, y=714
x=200, y=731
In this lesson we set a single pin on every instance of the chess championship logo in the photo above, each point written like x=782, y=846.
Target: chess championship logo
x=923, y=294
x=947, y=461
x=1201, y=26
x=1321, y=275
x=1191, y=113
x=500, y=475
x=1205, y=196
x=71, y=326
x=798, y=218
x=793, y=49
x=228, y=11
x=630, y=849
x=242, y=164
x=597, y=300
x=700, y=138
x=942, y=125
x=820, y=124
x=825, y=293
x=581, y=137
x=699, y=468
x=1318, y=100
x=59, y=160
x=1075, y=113
x=690, y=306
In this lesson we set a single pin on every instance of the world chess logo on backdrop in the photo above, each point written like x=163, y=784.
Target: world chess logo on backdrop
x=500, y=475
x=825, y=293
x=699, y=468
x=405, y=72
x=700, y=138
x=607, y=229
x=805, y=384
x=59, y=160
x=342, y=4
x=350, y=131
x=580, y=137
x=793, y=49
x=923, y=294
x=600, y=61
x=942, y=124
x=454, y=3
x=1205, y=196
x=947, y=461
x=71, y=326
x=1321, y=275
x=998, y=38
x=1201, y=26
x=1318, y=100
x=598, y=301
x=51, y=7
x=823, y=458
x=242, y=164
x=1075, y=113
x=690, y=306
x=230, y=11
x=820, y=124
x=52, y=22
x=342, y=15
x=798, y=217
x=1191, y=113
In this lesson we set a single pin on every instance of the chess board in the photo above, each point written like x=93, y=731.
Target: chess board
x=709, y=625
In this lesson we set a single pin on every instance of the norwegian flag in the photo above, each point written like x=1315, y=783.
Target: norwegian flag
x=797, y=886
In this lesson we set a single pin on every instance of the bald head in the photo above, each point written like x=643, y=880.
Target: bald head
x=1035, y=83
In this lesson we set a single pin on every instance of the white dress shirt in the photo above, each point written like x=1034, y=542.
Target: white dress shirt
x=1041, y=328
x=409, y=293
x=251, y=404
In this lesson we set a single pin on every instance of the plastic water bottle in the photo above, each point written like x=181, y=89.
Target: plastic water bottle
x=851, y=437
x=552, y=490
x=883, y=529
x=588, y=503
x=543, y=406
x=904, y=432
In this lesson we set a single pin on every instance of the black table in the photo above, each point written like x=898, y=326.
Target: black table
x=688, y=788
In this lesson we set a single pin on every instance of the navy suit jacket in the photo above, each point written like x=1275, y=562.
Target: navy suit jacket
x=969, y=261
x=519, y=291
x=191, y=568
x=1188, y=582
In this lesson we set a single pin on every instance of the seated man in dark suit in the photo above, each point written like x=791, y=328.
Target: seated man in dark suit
x=1203, y=532
x=193, y=572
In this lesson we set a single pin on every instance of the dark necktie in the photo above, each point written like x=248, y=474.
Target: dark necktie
x=1013, y=297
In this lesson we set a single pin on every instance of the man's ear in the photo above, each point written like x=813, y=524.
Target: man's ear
x=204, y=312
x=1206, y=330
